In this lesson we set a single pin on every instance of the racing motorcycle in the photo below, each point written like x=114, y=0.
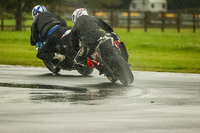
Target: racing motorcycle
x=55, y=66
x=109, y=58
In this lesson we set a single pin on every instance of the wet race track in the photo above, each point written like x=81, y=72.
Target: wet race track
x=33, y=100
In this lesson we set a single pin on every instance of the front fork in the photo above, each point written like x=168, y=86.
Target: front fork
x=96, y=57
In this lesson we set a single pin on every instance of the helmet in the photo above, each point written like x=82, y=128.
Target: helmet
x=38, y=9
x=79, y=12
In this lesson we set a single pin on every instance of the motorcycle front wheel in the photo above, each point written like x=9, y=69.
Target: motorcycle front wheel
x=121, y=69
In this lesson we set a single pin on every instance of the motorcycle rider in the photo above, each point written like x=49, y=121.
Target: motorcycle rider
x=46, y=30
x=88, y=31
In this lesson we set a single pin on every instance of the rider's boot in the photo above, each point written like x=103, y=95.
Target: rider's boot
x=81, y=58
x=59, y=57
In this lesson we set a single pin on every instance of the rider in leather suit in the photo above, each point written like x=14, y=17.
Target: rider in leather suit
x=87, y=33
x=46, y=29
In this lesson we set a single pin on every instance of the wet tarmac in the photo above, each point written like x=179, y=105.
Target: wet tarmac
x=33, y=100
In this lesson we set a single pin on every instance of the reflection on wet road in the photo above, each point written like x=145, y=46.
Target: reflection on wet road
x=55, y=93
x=34, y=100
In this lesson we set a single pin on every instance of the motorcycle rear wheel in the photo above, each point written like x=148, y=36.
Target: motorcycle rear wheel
x=85, y=71
x=51, y=66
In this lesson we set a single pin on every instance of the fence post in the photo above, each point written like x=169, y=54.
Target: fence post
x=129, y=21
x=178, y=21
x=23, y=24
x=111, y=19
x=163, y=22
x=146, y=21
x=197, y=19
x=194, y=22
x=94, y=12
x=2, y=23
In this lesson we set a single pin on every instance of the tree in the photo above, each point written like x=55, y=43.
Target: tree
x=98, y=4
x=109, y=4
x=18, y=7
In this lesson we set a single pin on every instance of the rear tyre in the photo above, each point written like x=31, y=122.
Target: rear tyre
x=52, y=67
x=85, y=71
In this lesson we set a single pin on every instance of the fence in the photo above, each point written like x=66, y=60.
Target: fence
x=130, y=20
x=9, y=23
x=146, y=20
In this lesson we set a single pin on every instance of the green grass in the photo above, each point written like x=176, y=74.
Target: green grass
x=152, y=51
x=16, y=49
x=169, y=51
x=27, y=22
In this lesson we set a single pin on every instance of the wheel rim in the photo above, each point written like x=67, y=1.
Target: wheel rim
x=117, y=73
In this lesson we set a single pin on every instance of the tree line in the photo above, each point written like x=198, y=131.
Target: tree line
x=19, y=7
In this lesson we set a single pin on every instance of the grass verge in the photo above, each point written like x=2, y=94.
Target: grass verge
x=152, y=51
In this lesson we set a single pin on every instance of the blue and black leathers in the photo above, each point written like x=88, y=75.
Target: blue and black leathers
x=47, y=28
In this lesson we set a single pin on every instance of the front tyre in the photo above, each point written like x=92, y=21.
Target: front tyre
x=121, y=69
x=111, y=78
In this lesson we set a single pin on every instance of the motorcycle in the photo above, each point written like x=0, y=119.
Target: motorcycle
x=111, y=59
x=56, y=66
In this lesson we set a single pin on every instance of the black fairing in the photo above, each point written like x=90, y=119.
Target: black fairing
x=108, y=50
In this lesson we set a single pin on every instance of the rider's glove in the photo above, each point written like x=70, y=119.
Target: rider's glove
x=38, y=45
x=115, y=36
